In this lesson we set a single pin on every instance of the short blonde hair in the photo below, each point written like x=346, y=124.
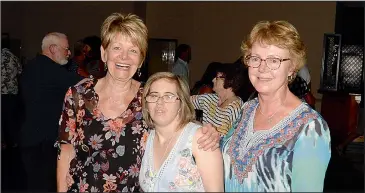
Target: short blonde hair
x=187, y=112
x=129, y=25
x=281, y=34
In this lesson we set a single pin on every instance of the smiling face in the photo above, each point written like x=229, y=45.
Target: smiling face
x=262, y=78
x=162, y=113
x=123, y=58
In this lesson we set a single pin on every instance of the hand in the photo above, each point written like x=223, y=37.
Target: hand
x=69, y=180
x=210, y=139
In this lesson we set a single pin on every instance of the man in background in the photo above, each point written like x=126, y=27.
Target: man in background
x=43, y=86
x=182, y=59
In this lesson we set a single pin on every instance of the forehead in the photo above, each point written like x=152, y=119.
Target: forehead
x=120, y=38
x=264, y=50
x=163, y=85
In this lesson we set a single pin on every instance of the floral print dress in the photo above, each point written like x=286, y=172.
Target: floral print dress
x=179, y=172
x=108, y=151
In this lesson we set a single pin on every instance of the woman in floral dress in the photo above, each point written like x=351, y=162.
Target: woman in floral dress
x=102, y=133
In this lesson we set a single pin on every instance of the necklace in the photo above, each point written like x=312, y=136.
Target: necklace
x=119, y=102
x=269, y=119
x=168, y=144
x=152, y=172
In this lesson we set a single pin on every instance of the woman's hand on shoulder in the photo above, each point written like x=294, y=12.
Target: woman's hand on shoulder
x=210, y=137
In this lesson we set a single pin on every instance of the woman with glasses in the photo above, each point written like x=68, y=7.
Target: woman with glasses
x=279, y=144
x=223, y=107
x=172, y=161
x=102, y=133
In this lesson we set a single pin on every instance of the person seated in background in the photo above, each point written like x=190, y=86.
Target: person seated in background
x=246, y=89
x=223, y=107
x=172, y=161
x=205, y=84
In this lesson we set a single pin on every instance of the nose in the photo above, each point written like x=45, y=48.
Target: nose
x=263, y=67
x=160, y=101
x=124, y=54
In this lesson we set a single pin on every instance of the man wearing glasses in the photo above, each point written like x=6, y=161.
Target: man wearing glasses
x=43, y=85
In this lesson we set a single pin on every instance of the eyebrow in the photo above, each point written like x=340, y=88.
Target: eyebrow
x=163, y=93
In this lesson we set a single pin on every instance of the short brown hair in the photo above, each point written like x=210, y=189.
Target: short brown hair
x=187, y=112
x=127, y=25
x=281, y=34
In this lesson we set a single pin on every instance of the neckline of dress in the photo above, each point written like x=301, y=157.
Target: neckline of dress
x=158, y=174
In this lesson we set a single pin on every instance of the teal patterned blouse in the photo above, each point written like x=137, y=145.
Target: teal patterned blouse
x=290, y=157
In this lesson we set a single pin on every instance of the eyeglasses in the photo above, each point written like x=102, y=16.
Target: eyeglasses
x=220, y=77
x=153, y=98
x=271, y=63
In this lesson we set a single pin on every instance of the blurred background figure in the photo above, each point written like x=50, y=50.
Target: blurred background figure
x=10, y=70
x=205, y=84
x=182, y=59
x=223, y=107
x=43, y=85
x=87, y=59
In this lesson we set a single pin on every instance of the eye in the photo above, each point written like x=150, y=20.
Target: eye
x=152, y=96
x=254, y=59
x=274, y=60
x=133, y=51
x=116, y=48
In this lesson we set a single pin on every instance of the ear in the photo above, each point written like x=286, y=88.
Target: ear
x=292, y=69
x=52, y=49
x=103, y=54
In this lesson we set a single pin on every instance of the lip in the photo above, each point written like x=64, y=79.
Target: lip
x=123, y=65
x=264, y=79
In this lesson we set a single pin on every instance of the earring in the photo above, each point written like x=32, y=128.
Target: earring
x=105, y=66
x=290, y=78
x=139, y=72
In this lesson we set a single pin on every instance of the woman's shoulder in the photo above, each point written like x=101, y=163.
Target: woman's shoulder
x=194, y=128
x=85, y=83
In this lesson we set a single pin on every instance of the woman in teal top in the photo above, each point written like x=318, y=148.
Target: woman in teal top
x=280, y=143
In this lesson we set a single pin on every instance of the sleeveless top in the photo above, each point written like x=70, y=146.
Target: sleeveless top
x=179, y=172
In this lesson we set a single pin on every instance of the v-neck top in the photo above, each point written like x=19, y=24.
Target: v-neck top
x=108, y=151
x=179, y=172
x=292, y=156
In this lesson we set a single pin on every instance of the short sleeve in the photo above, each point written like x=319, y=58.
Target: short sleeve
x=312, y=152
x=195, y=99
x=67, y=123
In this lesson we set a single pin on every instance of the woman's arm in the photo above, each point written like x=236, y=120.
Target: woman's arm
x=63, y=165
x=66, y=138
x=195, y=101
x=210, y=166
x=312, y=152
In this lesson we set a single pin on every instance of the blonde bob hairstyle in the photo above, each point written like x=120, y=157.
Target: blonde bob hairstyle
x=187, y=112
x=278, y=33
x=130, y=26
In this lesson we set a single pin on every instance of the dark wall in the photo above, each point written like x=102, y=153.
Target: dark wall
x=350, y=22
